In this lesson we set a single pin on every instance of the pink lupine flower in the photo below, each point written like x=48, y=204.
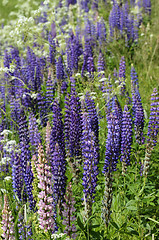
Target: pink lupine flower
x=45, y=207
x=7, y=221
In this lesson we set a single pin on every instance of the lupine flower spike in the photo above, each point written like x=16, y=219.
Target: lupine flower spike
x=107, y=198
x=68, y=215
x=7, y=221
x=45, y=207
x=126, y=138
x=111, y=159
x=153, y=129
x=90, y=162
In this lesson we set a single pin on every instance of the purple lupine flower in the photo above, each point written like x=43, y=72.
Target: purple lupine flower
x=28, y=179
x=73, y=124
x=59, y=179
x=113, y=129
x=38, y=75
x=139, y=118
x=113, y=141
x=116, y=108
x=84, y=5
x=90, y=162
x=100, y=65
x=92, y=113
x=50, y=91
x=7, y=59
x=134, y=78
x=33, y=70
x=7, y=221
x=138, y=112
x=17, y=180
x=52, y=49
x=132, y=2
x=68, y=2
x=147, y=6
x=60, y=75
x=101, y=68
x=57, y=132
x=24, y=228
x=153, y=129
x=60, y=69
x=122, y=21
x=73, y=50
x=30, y=68
x=47, y=140
x=128, y=27
x=15, y=111
x=90, y=65
x=45, y=206
x=67, y=213
x=17, y=72
x=101, y=32
x=88, y=62
x=122, y=69
x=126, y=138
x=42, y=108
x=26, y=157
x=21, y=226
x=26, y=100
x=87, y=31
x=34, y=134
x=95, y=4
x=53, y=30
x=114, y=19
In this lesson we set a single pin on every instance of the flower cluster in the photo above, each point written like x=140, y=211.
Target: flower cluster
x=90, y=162
x=138, y=111
x=112, y=143
x=73, y=124
x=7, y=221
x=153, y=129
x=67, y=213
x=45, y=207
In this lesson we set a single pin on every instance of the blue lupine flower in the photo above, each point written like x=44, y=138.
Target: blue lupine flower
x=153, y=129
x=58, y=166
x=57, y=132
x=147, y=6
x=93, y=116
x=113, y=142
x=90, y=162
x=17, y=180
x=52, y=49
x=122, y=69
x=73, y=124
x=138, y=111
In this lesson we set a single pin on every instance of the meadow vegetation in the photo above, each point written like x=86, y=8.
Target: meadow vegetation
x=79, y=119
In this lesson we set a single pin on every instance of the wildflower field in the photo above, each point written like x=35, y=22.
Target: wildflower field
x=79, y=119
